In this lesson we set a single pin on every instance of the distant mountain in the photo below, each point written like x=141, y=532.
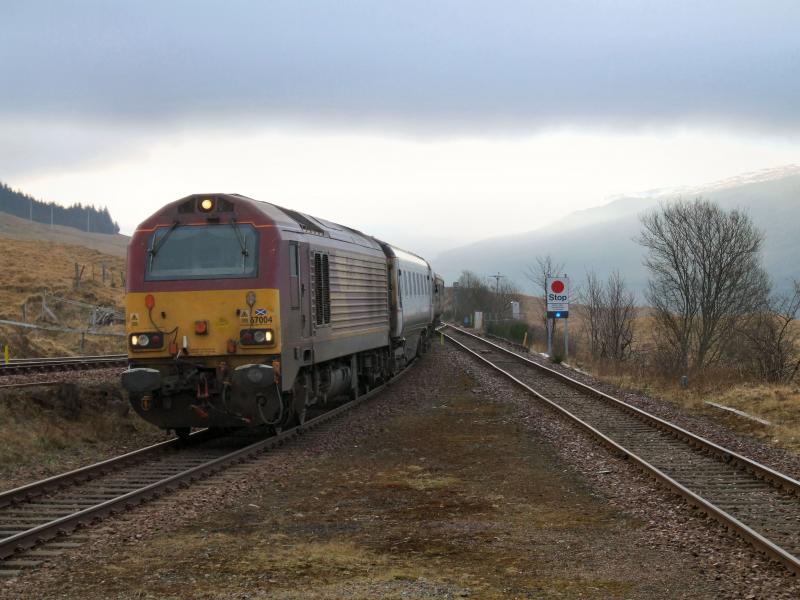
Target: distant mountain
x=86, y=218
x=602, y=238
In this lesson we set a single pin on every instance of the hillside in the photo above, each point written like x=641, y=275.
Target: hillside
x=12, y=227
x=36, y=259
x=84, y=218
x=602, y=238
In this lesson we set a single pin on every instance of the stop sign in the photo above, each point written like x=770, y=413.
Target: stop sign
x=557, y=295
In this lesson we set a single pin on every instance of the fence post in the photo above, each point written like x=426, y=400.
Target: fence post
x=5, y=354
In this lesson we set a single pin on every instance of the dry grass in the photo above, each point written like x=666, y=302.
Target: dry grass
x=777, y=403
x=417, y=478
x=32, y=266
x=38, y=430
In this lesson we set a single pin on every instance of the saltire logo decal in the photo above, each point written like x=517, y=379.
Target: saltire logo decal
x=261, y=312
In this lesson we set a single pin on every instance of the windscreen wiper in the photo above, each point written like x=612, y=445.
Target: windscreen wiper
x=157, y=244
x=242, y=243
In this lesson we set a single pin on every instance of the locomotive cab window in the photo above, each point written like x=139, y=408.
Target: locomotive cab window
x=202, y=252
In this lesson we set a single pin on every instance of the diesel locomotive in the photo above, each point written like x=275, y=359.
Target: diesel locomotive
x=243, y=313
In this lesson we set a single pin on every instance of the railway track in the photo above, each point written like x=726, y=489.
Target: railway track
x=63, y=363
x=759, y=503
x=41, y=511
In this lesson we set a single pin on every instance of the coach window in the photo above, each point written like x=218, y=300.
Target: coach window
x=294, y=275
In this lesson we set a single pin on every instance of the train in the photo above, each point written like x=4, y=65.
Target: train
x=243, y=313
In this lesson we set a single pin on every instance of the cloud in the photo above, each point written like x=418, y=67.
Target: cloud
x=417, y=67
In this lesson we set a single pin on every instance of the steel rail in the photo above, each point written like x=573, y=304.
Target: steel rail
x=63, y=363
x=5, y=386
x=50, y=359
x=81, y=474
x=30, y=537
x=775, y=478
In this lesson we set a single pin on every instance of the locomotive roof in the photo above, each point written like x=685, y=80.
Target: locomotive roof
x=292, y=220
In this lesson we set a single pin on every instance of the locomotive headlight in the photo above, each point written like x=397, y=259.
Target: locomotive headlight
x=256, y=337
x=146, y=341
x=206, y=204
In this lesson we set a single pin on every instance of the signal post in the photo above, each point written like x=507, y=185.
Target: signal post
x=557, y=295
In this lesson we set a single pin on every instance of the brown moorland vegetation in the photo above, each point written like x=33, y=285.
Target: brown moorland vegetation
x=31, y=266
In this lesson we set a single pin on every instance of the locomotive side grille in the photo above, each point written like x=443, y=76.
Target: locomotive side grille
x=359, y=295
x=326, y=290
x=321, y=290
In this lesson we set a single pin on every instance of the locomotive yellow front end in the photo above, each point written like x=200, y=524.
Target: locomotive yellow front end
x=203, y=319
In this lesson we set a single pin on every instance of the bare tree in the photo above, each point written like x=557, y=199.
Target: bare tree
x=537, y=274
x=472, y=294
x=503, y=294
x=610, y=310
x=705, y=275
x=617, y=318
x=773, y=340
x=592, y=306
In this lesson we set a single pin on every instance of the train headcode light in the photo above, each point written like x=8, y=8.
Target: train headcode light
x=206, y=204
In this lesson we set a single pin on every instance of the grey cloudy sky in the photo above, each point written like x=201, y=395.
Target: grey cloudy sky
x=90, y=85
x=449, y=64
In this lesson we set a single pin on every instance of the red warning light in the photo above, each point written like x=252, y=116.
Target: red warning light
x=557, y=286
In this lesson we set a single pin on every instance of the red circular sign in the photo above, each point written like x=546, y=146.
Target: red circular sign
x=557, y=286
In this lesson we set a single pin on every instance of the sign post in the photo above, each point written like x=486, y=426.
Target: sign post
x=557, y=294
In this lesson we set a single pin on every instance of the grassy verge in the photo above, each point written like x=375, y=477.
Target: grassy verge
x=777, y=403
x=46, y=430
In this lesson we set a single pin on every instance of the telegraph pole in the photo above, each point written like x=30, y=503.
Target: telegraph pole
x=497, y=279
